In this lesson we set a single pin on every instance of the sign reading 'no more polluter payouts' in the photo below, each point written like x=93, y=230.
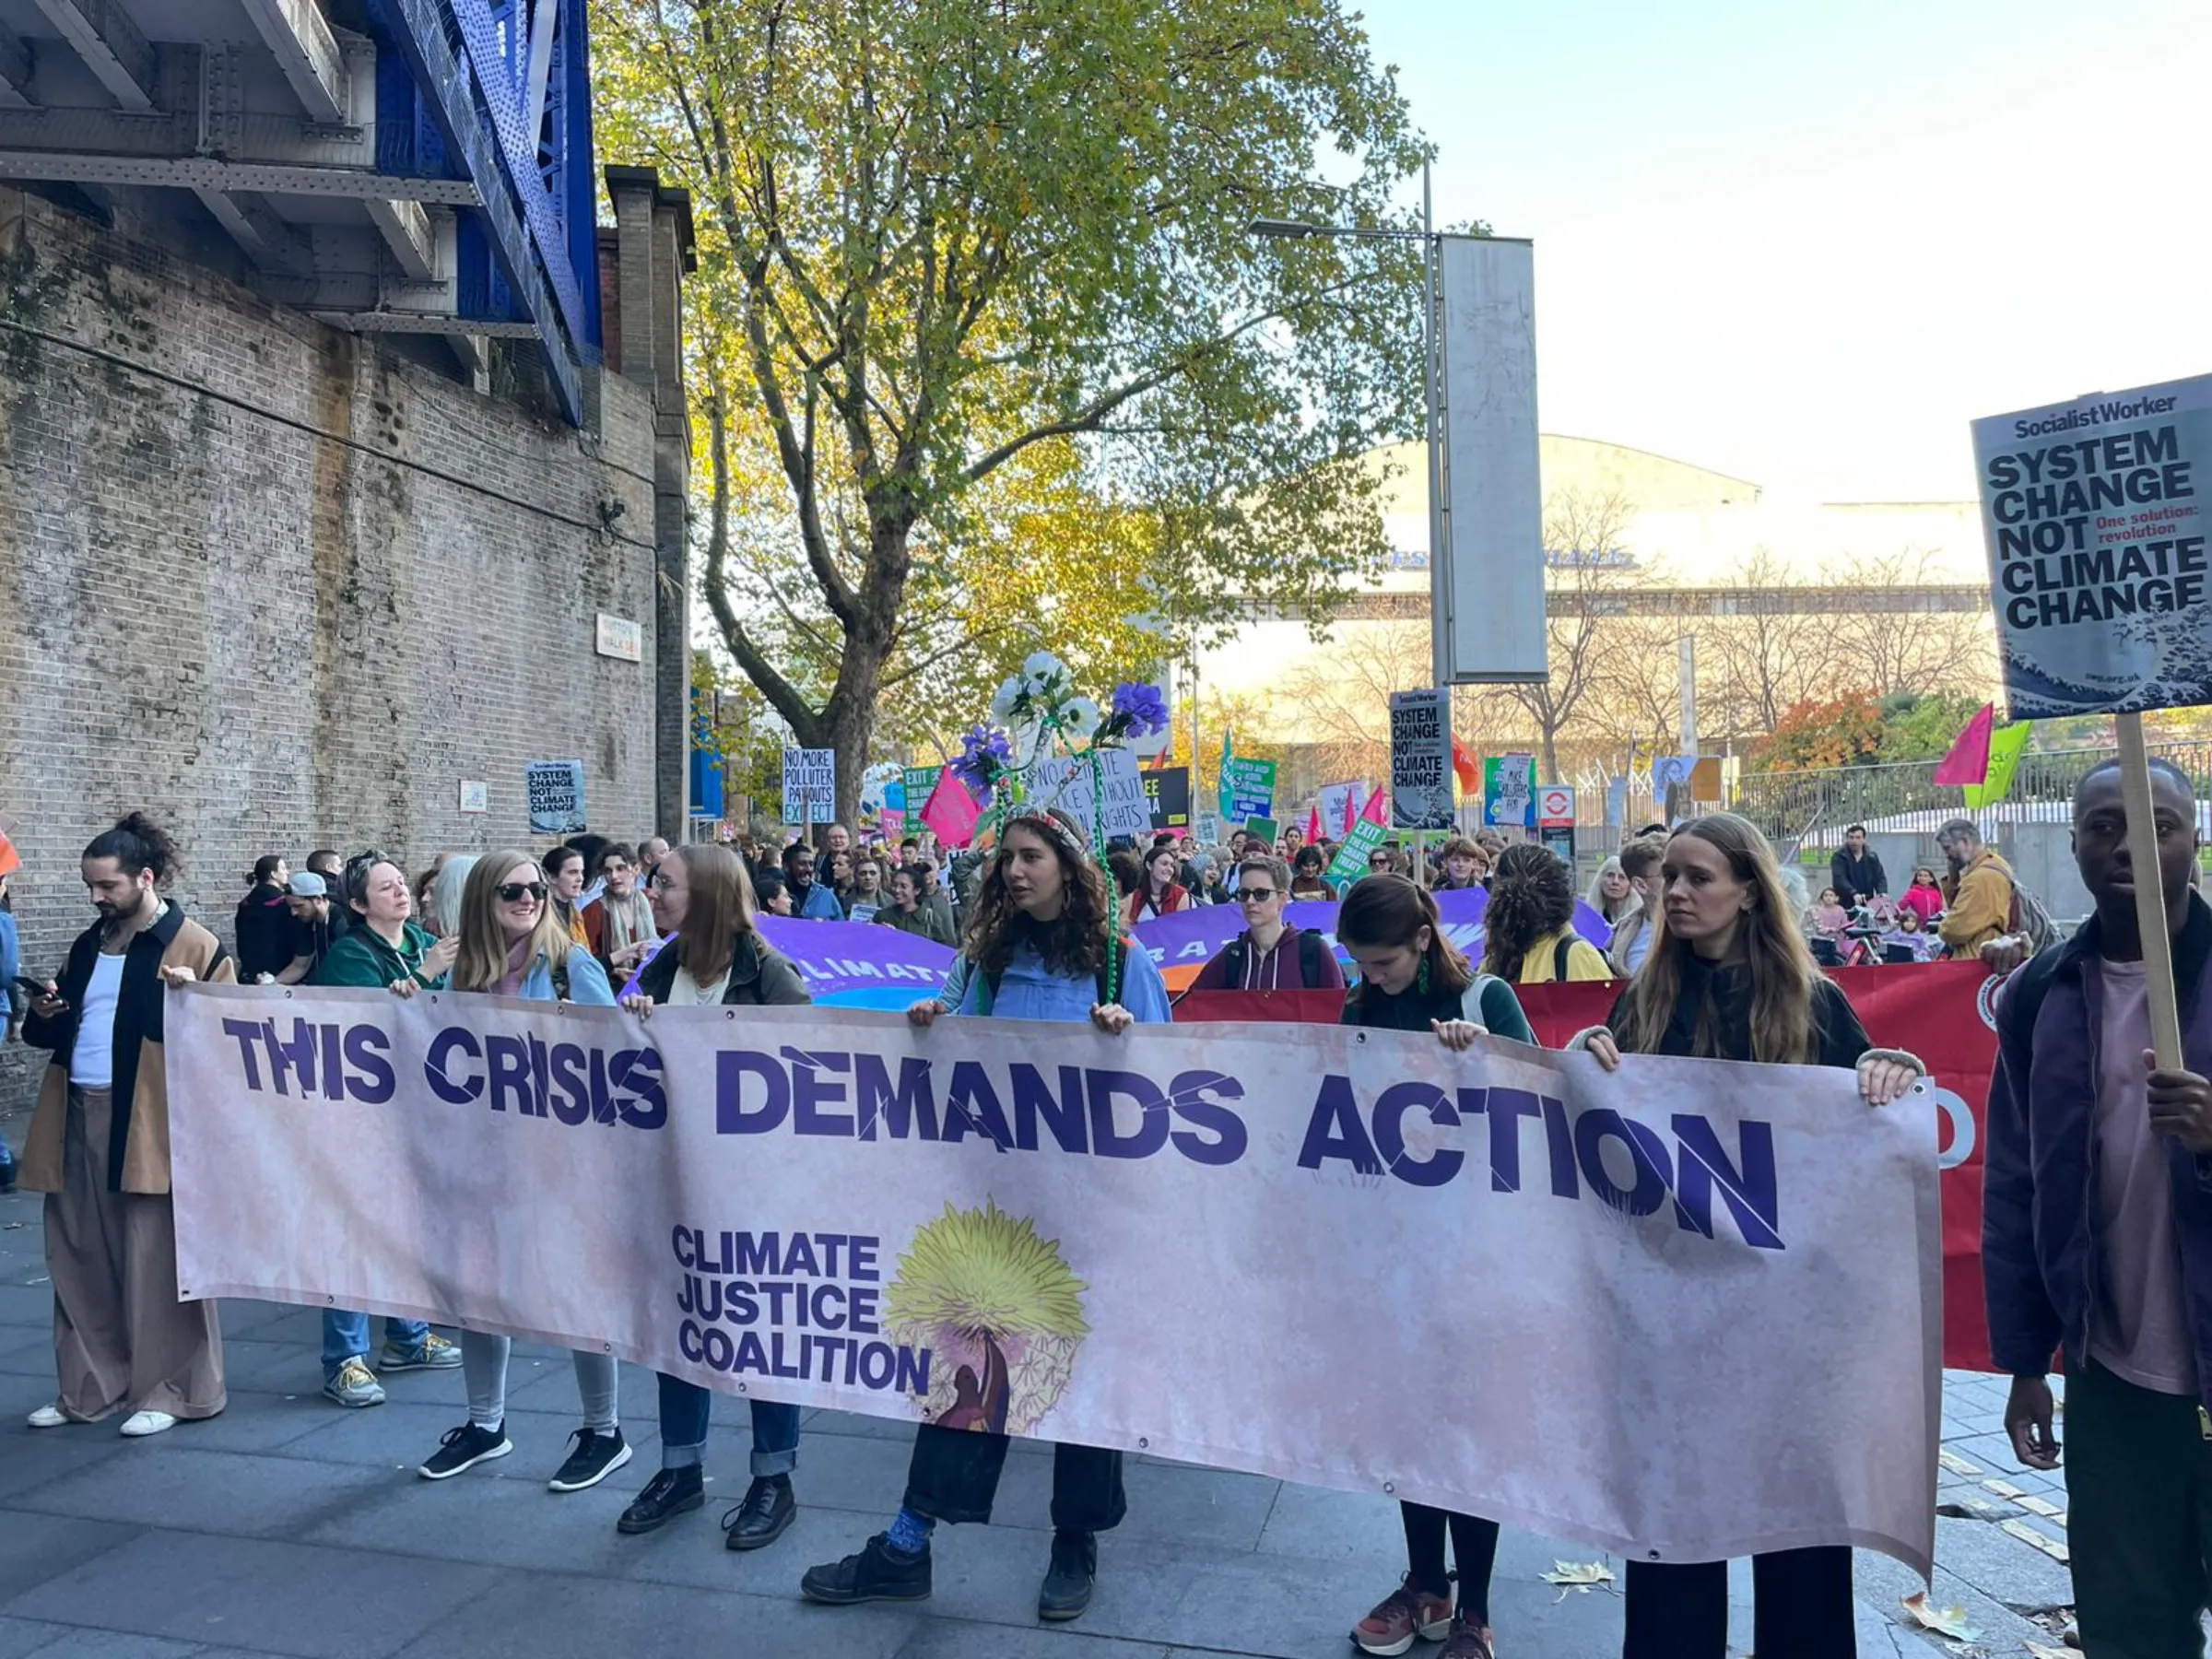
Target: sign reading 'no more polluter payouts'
x=1178, y=1232
x=2096, y=525
x=809, y=786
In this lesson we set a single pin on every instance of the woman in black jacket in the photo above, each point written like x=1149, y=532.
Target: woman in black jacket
x=265, y=923
x=700, y=895
x=1730, y=977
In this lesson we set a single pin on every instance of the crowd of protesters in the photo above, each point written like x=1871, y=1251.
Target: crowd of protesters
x=1711, y=931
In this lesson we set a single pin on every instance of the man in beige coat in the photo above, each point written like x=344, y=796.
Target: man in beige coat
x=98, y=1149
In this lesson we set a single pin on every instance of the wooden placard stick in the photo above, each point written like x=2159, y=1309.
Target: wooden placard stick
x=2150, y=894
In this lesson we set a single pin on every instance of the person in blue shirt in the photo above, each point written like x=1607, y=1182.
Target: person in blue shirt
x=810, y=898
x=1041, y=945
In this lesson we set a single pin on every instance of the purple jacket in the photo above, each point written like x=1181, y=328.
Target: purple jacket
x=2039, y=1221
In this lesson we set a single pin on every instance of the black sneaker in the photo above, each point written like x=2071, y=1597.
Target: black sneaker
x=1071, y=1578
x=464, y=1448
x=876, y=1573
x=765, y=1515
x=670, y=1493
x=596, y=1456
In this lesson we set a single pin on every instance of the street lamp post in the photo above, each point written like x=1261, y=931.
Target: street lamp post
x=1440, y=564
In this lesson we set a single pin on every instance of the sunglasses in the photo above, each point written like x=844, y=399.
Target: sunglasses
x=1251, y=894
x=512, y=892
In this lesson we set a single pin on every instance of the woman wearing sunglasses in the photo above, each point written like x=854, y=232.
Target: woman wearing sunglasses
x=512, y=944
x=1270, y=954
x=716, y=958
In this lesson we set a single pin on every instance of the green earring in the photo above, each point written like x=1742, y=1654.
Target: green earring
x=1421, y=980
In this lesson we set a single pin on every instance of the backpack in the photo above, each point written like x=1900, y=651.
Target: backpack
x=2028, y=916
x=1309, y=953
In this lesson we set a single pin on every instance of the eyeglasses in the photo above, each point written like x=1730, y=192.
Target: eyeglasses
x=1251, y=894
x=512, y=892
x=1377, y=863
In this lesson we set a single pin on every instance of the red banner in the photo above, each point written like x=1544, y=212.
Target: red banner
x=1936, y=1010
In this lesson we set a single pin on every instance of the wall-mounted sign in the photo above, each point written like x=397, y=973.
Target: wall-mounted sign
x=619, y=637
x=476, y=795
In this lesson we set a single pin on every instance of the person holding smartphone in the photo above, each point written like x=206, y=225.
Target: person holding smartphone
x=98, y=1149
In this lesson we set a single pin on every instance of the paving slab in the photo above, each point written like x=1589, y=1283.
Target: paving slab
x=228, y=1492
x=269, y=1596
x=43, y=1546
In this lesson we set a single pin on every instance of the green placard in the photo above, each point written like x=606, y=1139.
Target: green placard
x=1351, y=858
x=1265, y=827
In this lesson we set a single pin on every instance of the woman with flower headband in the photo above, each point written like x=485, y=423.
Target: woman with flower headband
x=1040, y=945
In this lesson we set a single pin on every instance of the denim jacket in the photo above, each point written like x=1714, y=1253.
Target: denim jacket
x=2039, y=1211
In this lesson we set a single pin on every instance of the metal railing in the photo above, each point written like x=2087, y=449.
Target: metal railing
x=1791, y=807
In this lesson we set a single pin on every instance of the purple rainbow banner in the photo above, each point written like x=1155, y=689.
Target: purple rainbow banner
x=1189, y=938
x=852, y=964
x=858, y=964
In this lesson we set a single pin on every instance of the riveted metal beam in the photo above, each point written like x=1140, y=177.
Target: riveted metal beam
x=307, y=54
x=102, y=34
x=15, y=70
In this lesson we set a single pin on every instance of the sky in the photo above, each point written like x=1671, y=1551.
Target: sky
x=1807, y=243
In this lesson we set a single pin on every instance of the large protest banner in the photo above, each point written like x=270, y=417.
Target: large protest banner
x=1940, y=1011
x=1213, y=1243
x=2096, y=530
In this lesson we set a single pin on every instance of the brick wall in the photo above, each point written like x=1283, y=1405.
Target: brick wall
x=282, y=589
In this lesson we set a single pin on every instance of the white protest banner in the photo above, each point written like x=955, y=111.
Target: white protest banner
x=1509, y=791
x=1339, y=806
x=1420, y=759
x=1704, y=1320
x=1066, y=781
x=809, y=786
x=554, y=792
x=2096, y=530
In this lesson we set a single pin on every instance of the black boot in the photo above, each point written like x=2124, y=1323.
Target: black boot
x=876, y=1573
x=765, y=1515
x=670, y=1493
x=1071, y=1578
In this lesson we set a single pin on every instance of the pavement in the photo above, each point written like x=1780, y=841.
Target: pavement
x=290, y=1527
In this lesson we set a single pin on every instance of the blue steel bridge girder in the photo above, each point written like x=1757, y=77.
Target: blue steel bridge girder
x=530, y=253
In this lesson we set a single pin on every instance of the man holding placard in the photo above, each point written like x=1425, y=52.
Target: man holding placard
x=2096, y=1229
x=2097, y=1226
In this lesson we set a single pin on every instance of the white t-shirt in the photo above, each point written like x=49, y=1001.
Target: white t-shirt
x=684, y=992
x=92, y=1063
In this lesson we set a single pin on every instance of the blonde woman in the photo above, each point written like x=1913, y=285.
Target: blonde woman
x=512, y=944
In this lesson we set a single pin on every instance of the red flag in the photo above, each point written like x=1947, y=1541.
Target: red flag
x=1377, y=810
x=10, y=860
x=1464, y=765
x=951, y=811
x=1969, y=760
x=1313, y=826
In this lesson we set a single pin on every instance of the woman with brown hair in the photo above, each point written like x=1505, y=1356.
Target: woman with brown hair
x=1039, y=947
x=510, y=944
x=1466, y=865
x=1412, y=979
x=701, y=894
x=1159, y=894
x=1730, y=977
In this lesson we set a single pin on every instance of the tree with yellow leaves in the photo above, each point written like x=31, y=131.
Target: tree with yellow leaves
x=984, y=350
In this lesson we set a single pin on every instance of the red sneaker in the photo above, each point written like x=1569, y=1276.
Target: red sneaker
x=1401, y=1616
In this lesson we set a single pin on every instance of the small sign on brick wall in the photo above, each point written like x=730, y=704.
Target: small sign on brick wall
x=619, y=637
x=476, y=795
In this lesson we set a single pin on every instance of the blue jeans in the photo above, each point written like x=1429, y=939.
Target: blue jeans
x=684, y=1408
x=346, y=1337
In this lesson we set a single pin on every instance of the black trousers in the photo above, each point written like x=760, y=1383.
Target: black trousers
x=2139, y=1483
x=1801, y=1598
x=953, y=1476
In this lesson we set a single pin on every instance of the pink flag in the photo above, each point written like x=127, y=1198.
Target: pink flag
x=1969, y=760
x=952, y=811
x=1377, y=810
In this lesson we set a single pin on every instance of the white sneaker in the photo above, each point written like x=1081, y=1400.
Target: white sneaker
x=48, y=1416
x=140, y=1424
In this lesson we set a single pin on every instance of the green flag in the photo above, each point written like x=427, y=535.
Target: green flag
x=1226, y=790
x=2005, y=750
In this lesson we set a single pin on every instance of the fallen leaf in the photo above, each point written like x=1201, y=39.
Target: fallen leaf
x=1578, y=1577
x=1944, y=1621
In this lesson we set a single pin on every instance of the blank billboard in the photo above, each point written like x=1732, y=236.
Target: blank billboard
x=1491, y=586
